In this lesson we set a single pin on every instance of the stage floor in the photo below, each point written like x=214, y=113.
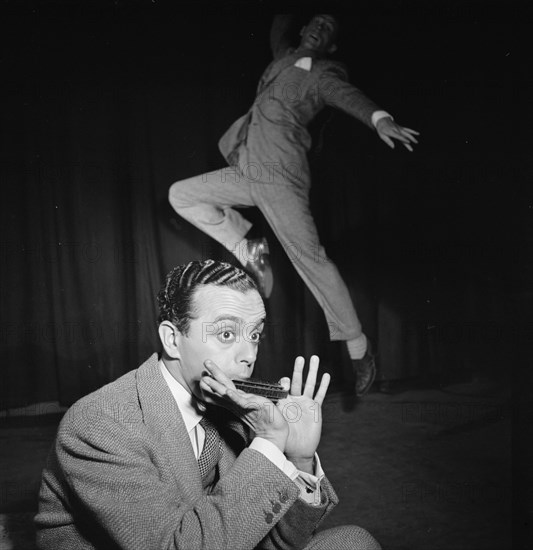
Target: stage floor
x=421, y=470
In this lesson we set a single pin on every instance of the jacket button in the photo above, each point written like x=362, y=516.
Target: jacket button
x=269, y=518
x=283, y=497
x=276, y=507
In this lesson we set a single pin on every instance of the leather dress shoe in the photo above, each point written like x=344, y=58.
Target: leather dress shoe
x=365, y=372
x=258, y=265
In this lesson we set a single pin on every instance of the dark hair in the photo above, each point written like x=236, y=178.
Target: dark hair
x=176, y=294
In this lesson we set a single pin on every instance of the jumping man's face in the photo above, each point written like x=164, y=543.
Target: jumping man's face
x=226, y=328
x=319, y=34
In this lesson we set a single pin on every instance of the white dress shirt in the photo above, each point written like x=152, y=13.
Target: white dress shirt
x=191, y=411
x=378, y=115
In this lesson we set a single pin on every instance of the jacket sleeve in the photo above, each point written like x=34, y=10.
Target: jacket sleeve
x=279, y=34
x=283, y=536
x=336, y=91
x=114, y=484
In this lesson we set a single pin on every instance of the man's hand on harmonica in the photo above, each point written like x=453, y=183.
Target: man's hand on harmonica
x=259, y=413
x=302, y=409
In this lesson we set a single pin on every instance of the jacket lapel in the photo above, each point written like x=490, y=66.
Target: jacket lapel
x=163, y=419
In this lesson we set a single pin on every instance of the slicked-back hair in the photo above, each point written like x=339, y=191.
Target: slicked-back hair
x=175, y=299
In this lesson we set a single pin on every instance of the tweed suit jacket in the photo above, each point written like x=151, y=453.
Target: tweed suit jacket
x=123, y=474
x=273, y=135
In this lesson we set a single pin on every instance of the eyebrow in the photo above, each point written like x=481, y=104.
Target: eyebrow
x=237, y=320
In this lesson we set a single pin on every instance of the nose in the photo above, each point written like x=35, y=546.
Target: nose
x=246, y=356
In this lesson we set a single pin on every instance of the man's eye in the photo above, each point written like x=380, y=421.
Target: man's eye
x=256, y=337
x=226, y=336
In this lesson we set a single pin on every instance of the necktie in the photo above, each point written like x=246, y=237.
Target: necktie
x=211, y=452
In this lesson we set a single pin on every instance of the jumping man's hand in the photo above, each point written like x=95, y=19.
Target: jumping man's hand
x=387, y=129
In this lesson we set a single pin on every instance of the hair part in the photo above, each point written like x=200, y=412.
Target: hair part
x=175, y=299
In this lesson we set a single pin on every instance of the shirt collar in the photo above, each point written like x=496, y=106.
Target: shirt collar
x=187, y=404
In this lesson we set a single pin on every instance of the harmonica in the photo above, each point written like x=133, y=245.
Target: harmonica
x=270, y=390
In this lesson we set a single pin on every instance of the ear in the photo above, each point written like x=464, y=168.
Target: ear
x=302, y=31
x=332, y=48
x=170, y=338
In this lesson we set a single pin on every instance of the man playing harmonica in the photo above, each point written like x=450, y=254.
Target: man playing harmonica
x=172, y=456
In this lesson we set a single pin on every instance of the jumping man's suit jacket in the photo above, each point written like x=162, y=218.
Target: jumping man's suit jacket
x=291, y=92
x=123, y=474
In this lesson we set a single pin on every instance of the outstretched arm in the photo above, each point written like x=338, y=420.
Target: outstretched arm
x=337, y=92
x=279, y=34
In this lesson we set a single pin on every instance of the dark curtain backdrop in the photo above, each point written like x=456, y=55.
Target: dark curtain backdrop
x=105, y=104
